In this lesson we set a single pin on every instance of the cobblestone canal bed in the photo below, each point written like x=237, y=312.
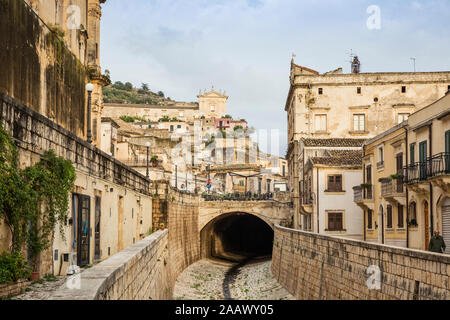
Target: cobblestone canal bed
x=220, y=280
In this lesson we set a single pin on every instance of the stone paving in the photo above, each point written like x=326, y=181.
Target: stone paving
x=42, y=289
x=208, y=279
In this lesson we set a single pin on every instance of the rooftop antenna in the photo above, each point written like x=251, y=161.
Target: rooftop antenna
x=414, y=60
x=354, y=61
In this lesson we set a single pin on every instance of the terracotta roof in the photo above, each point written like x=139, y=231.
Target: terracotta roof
x=307, y=69
x=340, y=158
x=333, y=142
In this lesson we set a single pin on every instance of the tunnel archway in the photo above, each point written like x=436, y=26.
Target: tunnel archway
x=236, y=236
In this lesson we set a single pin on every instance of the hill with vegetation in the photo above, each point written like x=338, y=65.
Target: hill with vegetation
x=125, y=93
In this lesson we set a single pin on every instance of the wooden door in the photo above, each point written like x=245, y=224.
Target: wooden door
x=83, y=230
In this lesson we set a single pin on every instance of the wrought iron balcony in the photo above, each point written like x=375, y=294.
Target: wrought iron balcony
x=435, y=166
x=439, y=164
x=362, y=192
x=390, y=187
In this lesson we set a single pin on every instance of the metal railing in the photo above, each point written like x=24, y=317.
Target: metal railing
x=440, y=164
x=361, y=193
x=238, y=196
x=392, y=186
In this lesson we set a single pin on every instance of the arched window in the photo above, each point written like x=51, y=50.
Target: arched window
x=412, y=219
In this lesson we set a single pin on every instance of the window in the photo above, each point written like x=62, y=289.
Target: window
x=171, y=128
x=369, y=219
x=403, y=89
x=241, y=183
x=284, y=171
x=389, y=217
x=335, y=221
x=335, y=183
x=402, y=117
x=375, y=100
x=412, y=214
x=412, y=153
x=321, y=123
x=358, y=90
x=320, y=91
x=213, y=108
x=179, y=126
x=400, y=223
x=448, y=88
x=359, y=122
x=380, y=157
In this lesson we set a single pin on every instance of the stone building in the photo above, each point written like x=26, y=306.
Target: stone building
x=405, y=194
x=381, y=194
x=331, y=167
x=356, y=105
x=427, y=174
x=47, y=55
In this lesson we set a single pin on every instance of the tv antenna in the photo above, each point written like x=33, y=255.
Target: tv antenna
x=414, y=60
x=354, y=61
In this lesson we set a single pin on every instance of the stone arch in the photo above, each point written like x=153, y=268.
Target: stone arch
x=214, y=241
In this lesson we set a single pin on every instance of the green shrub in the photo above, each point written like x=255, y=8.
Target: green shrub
x=13, y=267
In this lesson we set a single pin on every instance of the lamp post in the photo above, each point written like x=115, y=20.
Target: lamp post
x=148, y=151
x=89, y=89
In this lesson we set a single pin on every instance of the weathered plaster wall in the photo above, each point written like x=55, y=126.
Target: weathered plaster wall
x=98, y=174
x=312, y=266
x=38, y=69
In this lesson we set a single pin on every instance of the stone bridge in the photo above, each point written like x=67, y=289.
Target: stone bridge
x=236, y=229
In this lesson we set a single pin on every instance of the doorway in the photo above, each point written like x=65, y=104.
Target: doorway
x=82, y=212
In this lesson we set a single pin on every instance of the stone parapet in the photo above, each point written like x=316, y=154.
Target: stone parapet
x=312, y=266
x=140, y=272
x=37, y=134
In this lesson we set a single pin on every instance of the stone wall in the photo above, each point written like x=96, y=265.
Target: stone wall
x=38, y=69
x=184, y=235
x=140, y=272
x=312, y=266
x=98, y=174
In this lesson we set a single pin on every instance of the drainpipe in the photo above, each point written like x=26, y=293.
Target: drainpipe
x=364, y=181
x=431, y=186
x=317, y=197
x=407, y=196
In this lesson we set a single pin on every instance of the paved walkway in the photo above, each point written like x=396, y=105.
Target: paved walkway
x=42, y=289
x=218, y=280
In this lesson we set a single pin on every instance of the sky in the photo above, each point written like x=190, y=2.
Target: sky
x=245, y=46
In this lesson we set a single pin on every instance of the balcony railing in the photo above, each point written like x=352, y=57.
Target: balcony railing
x=391, y=186
x=238, y=196
x=435, y=166
x=361, y=193
x=440, y=164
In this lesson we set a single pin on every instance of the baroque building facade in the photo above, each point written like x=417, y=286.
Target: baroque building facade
x=354, y=106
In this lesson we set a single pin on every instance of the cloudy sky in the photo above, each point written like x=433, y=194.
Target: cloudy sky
x=245, y=46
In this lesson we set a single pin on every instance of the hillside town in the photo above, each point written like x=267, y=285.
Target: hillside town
x=132, y=198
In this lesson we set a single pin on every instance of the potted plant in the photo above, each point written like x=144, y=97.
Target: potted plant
x=396, y=176
x=366, y=185
x=161, y=226
x=154, y=161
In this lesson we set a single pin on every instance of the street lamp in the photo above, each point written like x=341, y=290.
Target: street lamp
x=89, y=89
x=148, y=151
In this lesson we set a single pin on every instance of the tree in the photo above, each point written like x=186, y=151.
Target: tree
x=128, y=86
x=145, y=87
x=161, y=94
x=118, y=85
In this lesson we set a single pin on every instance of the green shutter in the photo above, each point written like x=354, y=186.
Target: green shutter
x=412, y=154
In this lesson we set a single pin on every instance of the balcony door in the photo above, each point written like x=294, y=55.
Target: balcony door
x=399, y=163
x=447, y=152
x=423, y=160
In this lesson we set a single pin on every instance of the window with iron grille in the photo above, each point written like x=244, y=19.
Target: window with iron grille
x=335, y=221
x=400, y=215
x=335, y=183
x=369, y=219
x=389, y=217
